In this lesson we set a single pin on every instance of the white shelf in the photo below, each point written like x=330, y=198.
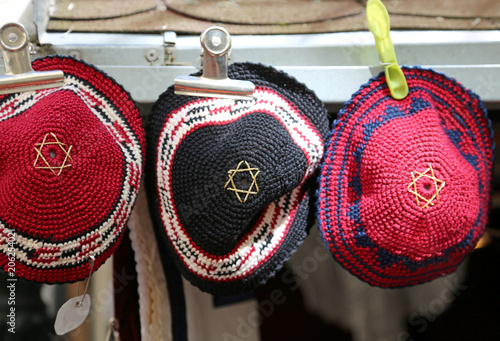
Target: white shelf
x=334, y=65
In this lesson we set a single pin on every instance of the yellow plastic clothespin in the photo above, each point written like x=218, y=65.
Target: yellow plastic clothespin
x=379, y=25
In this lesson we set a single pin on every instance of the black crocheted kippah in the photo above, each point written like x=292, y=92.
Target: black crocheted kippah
x=226, y=178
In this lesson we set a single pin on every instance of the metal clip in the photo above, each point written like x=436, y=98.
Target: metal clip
x=19, y=75
x=113, y=329
x=214, y=82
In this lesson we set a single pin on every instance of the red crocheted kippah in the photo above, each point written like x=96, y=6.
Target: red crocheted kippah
x=70, y=165
x=405, y=185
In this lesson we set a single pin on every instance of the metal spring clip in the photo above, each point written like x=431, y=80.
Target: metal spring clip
x=214, y=82
x=19, y=75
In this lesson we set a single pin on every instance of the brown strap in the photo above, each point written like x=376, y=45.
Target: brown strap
x=445, y=8
x=266, y=12
x=101, y=9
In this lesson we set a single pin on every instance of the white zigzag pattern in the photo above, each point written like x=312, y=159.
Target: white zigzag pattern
x=246, y=258
x=98, y=245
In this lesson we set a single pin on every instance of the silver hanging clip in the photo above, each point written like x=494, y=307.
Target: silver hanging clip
x=113, y=329
x=19, y=75
x=73, y=313
x=214, y=82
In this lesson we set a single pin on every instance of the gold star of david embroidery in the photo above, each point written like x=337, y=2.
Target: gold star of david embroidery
x=252, y=189
x=42, y=163
x=438, y=185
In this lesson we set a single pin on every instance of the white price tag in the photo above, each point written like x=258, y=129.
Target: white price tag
x=72, y=314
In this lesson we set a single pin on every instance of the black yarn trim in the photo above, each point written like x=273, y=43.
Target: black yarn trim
x=175, y=292
x=307, y=104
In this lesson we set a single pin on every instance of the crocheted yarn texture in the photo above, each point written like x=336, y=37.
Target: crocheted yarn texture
x=405, y=185
x=71, y=160
x=227, y=178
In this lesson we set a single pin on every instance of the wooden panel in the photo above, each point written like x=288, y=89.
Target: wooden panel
x=159, y=21
x=269, y=17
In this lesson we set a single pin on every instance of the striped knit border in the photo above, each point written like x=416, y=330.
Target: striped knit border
x=265, y=238
x=343, y=227
x=67, y=257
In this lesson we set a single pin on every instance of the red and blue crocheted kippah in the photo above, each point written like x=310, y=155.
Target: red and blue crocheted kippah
x=405, y=186
x=71, y=160
x=227, y=179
